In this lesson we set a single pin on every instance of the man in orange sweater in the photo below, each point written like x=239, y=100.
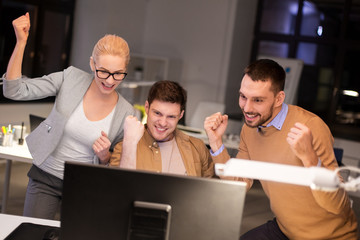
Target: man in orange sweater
x=279, y=133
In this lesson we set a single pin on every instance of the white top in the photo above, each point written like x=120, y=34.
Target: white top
x=76, y=143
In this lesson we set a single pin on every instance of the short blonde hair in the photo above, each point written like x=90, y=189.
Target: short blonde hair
x=113, y=45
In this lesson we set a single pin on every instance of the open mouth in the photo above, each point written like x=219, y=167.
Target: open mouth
x=251, y=116
x=107, y=86
x=160, y=129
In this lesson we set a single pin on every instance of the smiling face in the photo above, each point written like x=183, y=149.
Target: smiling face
x=258, y=103
x=162, y=118
x=111, y=64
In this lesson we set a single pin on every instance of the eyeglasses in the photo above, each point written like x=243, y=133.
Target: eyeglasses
x=117, y=76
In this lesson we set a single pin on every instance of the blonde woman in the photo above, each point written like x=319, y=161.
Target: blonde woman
x=85, y=122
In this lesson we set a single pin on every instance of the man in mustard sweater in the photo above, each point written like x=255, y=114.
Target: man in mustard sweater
x=279, y=133
x=159, y=146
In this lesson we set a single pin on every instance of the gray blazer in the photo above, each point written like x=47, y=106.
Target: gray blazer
x=69, y=87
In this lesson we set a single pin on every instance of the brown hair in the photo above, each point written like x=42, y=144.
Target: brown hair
x=112, y=45
x=267, y=70
x=168, y=91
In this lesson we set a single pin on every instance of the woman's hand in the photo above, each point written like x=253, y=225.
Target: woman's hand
x=101, y=148
x=22, y=27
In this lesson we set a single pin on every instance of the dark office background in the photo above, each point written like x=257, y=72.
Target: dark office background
x=325, y=34
x=47, y=49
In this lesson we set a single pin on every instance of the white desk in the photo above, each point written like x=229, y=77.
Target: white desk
x=9, y=222
x=21, y=153
x=15, y=153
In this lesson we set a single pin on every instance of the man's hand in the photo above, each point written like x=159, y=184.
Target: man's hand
x=101, y=148
x=133, y=130
x=22, y=27
x=300, y=141
x=215, y=126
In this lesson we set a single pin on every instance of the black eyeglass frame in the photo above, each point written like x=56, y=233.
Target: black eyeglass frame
x=110, y=74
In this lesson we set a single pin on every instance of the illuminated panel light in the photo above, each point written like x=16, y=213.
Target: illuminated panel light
x=350, y=93
x=319, y=31
x=315, y=177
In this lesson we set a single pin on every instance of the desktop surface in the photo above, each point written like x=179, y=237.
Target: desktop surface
x=16, y=152
x=27, y=230
x=11, y=226
x=98, y=203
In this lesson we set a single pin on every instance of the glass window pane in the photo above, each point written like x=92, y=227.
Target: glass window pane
x=348, y=108
x=322, y=19
x=307, y=52
x=316, y=54
x=278, y=16
x=53, y=46
x=273, y=49
x=315, y=89
x=7, y=37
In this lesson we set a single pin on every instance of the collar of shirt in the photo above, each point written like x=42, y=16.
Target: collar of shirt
x=279, y=120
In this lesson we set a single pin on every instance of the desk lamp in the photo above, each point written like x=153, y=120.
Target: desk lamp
x=315, y=177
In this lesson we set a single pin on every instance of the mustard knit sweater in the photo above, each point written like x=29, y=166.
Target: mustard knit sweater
x=301, y=213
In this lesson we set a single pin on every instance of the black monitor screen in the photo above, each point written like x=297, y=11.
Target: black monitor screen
x=35, y=121
x=110, y=203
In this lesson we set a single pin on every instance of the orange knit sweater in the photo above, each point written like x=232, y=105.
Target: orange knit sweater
x=301, y=213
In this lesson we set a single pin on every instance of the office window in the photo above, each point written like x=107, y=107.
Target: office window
x=49, y=42
x=275, y=49
x=316, y=54
x=348, y=106
x=307, y=52
x=278, y=16
x=322, y=18
x=353, y=28
x=325, y=34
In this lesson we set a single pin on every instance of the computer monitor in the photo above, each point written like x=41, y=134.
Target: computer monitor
x=35, y=121
x=102, y=202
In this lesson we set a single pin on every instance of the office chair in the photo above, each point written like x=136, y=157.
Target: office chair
x=339, y=155
x=203, y=110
